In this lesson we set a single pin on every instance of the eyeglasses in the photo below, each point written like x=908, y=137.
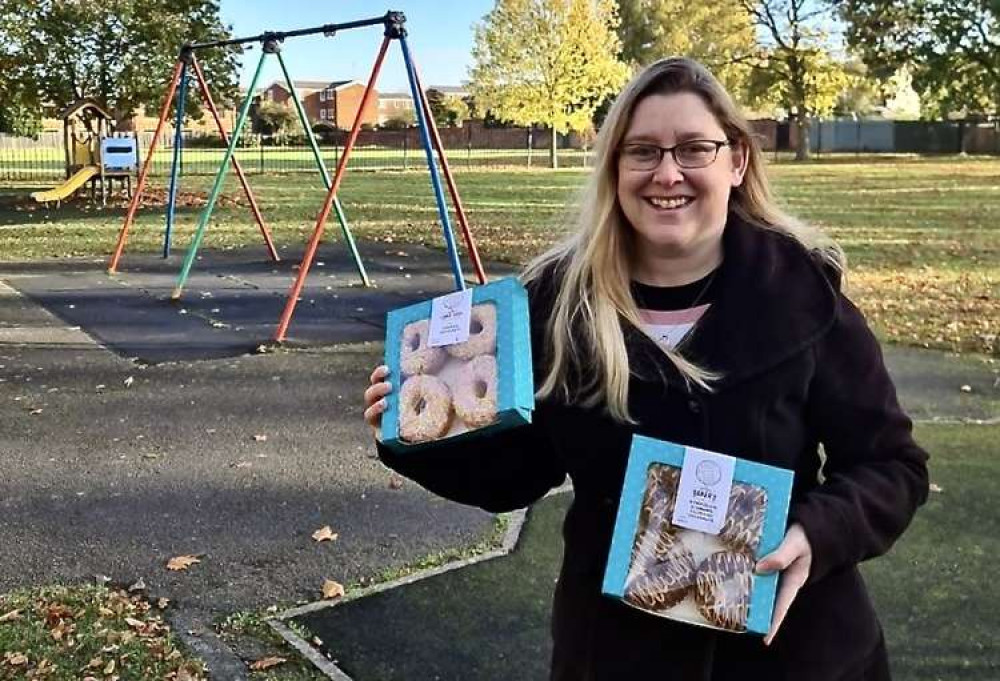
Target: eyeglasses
x=688, y=155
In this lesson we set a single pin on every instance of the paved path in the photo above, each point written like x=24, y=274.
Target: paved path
x=110, y=466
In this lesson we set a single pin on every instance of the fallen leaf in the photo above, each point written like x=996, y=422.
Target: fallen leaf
x=332, y=589
x=110, y=669
x=260, y=438
x=35, y=411
x=267, y=663
x=395, y=483
x=133, y=622
x=162, y=603
x=966, y=388
x=325, y=533
x=182, y=562
x=936, y=488
x=11, y=616
x=16, y=659
x=128, y=381
x=138, y=586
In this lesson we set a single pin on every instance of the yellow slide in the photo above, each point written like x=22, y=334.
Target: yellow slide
x=67, y=188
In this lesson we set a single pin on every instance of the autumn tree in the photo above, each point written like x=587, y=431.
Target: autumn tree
x=119, y=52
x=952, y=48
x=718, y=34
x=548, y=62
x=794, y=65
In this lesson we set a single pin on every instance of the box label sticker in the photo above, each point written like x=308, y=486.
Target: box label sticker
x=703, y=492
x=451, y=317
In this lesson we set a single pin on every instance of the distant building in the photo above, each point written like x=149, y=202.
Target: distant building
x=393, y=104
x=334, y=102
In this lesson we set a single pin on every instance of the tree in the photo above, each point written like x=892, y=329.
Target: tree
x=455, y=110
x=548, y=62
x=718, y=34
x=794, y=67
x=275, y=118
x=20, y=108
x=953, y=48
x=119, y=52
x=435, y=102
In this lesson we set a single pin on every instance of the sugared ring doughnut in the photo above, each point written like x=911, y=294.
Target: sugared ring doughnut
x=722, y=589
x=663, y=573
x=482, y=334
x=415, y=357
x=476, y=392
x=424, y=408
x=745, y=517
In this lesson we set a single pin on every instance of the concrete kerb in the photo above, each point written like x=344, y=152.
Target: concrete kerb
x=509, y=542
x=329, y=668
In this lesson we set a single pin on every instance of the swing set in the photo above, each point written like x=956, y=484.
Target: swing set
x=187, y=69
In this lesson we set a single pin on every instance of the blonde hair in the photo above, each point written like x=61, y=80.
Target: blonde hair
x=584, y=333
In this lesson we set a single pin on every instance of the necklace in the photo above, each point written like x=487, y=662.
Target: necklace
x=704, y=289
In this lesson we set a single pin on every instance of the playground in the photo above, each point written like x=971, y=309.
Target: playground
x=182, y=376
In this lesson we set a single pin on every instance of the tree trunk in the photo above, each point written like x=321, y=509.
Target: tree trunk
x=802, y=138
x=553, y=152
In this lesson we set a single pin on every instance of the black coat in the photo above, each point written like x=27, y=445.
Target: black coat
x=799, y=368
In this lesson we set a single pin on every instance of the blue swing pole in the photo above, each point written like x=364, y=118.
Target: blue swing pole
x=449, y=237
x=176, y=161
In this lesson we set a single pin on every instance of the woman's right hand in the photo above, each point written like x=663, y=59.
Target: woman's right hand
x=375, y=397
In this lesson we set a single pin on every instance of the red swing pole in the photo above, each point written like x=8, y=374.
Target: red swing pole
x=293, y=296
x=210, y=103
x=452, y=189
x=141, y=182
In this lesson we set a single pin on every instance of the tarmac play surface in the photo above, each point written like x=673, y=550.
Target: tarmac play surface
x=131, y=432
x=233, y=299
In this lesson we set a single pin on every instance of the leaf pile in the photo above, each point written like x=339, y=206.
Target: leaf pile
x=89, y=633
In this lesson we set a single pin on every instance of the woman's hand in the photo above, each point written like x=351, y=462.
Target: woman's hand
x=792, y=558
x=375, y=398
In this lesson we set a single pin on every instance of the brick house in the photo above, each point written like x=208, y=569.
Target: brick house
x=335, y=102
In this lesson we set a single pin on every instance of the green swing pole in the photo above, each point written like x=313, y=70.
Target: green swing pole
x=217, y=187
x=338, y=209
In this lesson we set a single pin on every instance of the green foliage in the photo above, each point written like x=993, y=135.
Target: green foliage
x=718, y=34
x=794, y=69
x=119, y=52
x=435, y=102
x=952, y=47
x=548, y=62
x=401, y=120
x=274, y=118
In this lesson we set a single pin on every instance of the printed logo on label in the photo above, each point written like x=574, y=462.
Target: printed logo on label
x=703, y=491
x=451, y=316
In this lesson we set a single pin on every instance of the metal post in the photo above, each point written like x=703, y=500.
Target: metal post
x=176, y=160
x=338, y=209
x=141, y=182
x=449, y=179
x=254, y=208
x=293, y=295
x=449, y=238
x=217, y=187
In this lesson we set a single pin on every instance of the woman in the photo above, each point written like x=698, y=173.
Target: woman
x=687, y=307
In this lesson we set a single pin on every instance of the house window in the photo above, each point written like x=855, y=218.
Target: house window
x=322, y=114
x=322, y=95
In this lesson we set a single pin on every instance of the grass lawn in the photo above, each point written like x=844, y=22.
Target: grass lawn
x=921, y=233
x=936, y=591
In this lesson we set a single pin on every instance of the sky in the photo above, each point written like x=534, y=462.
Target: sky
x=439, y=34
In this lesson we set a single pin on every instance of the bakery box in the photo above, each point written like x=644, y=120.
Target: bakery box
x=460, y=365
x=691, y=525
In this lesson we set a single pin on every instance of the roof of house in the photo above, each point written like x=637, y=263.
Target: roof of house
x=312, y=85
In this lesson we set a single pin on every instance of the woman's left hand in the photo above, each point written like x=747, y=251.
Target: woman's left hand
x=792, y=558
